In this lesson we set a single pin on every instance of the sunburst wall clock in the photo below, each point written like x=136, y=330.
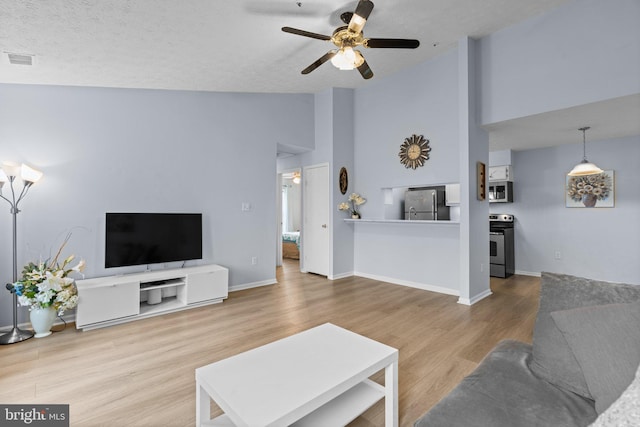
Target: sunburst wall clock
x=414, y=151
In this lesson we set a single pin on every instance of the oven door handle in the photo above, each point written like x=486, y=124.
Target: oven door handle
x=496, y=233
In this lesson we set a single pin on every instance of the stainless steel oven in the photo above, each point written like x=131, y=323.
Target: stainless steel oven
x=501, y=245
x=496, y=247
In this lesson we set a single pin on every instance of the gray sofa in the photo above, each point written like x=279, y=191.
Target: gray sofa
x=581, y=370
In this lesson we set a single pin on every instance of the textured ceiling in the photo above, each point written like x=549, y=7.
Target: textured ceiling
x=237, y=46
x=227, y=45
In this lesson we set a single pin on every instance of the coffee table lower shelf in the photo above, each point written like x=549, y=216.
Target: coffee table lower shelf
x=337, y=412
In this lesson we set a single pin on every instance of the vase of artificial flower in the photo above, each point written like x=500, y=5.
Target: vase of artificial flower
x=47, y=290
x=355, y=200
x=42, y=319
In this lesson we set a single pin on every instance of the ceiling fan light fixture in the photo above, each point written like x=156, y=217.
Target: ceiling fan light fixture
x=585, y=167
x=344, y=59
x=345, y=38
x=347, y=59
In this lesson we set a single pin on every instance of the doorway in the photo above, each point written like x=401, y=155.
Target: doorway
x=290, y=214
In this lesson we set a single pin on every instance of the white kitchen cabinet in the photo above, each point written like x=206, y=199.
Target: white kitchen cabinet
x=106, y=301
x=500, y=173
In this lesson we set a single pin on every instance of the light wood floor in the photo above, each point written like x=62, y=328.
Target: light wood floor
x=142, y=373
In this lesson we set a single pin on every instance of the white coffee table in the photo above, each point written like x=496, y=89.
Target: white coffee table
x=318, y=377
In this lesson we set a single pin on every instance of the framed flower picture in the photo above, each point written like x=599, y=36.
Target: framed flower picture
x=590, y=191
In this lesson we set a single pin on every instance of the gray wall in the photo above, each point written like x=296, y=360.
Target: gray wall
x=422, y=100
x=599, y=243
x=584, y=51
x=342, y=156
x=105, y=150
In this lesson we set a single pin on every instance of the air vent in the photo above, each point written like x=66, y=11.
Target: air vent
x=19, y=59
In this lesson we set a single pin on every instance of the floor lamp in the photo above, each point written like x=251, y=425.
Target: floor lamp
x=10, y=171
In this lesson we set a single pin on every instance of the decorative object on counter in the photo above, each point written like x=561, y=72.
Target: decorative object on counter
x=47, y=290
x=343, y=180
x=591, y=191
x=481, y=177
x=585, y=167
x=355, y=200
x=9, y=172
x=414, y=151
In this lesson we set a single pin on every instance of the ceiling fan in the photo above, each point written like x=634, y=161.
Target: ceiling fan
x=345, y=57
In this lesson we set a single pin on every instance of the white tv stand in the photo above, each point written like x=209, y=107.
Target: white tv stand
x=106, y=301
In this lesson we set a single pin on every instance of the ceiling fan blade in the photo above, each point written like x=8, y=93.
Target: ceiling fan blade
x=324, y=58
x=346, y=17
x=392, y=43
x=360, y=16
x=305, y=33
x=365, y=71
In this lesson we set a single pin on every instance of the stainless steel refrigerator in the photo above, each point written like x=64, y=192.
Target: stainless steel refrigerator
x=425, y=204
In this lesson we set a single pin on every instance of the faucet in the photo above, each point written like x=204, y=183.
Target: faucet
x=414, y=210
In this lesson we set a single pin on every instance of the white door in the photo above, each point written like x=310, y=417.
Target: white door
x=315, y=239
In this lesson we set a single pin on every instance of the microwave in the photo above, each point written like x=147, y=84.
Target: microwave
x=500, y=192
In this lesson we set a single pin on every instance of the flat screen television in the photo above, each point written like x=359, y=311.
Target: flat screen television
x=151, y=238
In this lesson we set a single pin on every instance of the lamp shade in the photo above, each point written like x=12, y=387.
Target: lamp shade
x=344, y=59
x=30, y=175
x=11, y=169
x=3, y=177
x=347, y=59
x=585, y=168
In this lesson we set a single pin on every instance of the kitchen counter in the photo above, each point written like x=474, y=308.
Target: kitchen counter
x=402, y=221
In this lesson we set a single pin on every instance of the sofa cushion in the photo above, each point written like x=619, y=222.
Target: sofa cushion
x=502, y=391
x=624, y=412
x=552, y=359
x=605, y=339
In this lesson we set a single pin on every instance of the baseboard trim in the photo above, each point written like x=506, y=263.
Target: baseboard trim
x=423, y=286
x=471, y=301
x=340, y=276
x=244, y=286
x=69, y=318
x=528, y=273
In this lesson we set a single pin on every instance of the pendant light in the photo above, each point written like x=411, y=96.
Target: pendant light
x=585, y=167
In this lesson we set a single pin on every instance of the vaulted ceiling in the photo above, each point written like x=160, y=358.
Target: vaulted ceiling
x=229, y=45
